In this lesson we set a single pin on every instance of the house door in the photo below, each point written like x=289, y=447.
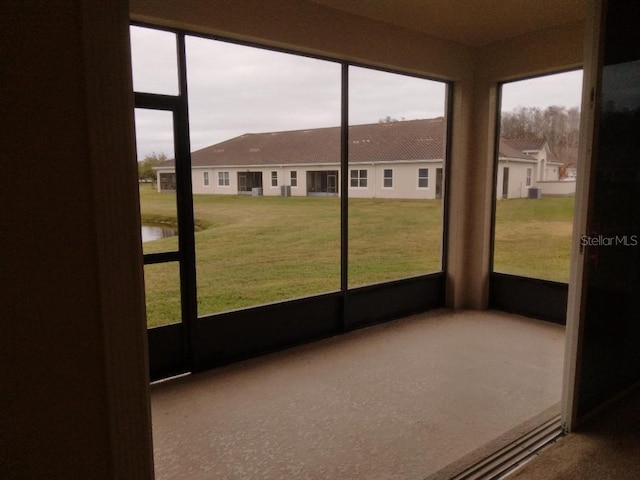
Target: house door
x=438, y=182
x=332, y=183
x=505, y=182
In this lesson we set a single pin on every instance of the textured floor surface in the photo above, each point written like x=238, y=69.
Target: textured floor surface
x=607, y=447
x=400, y=400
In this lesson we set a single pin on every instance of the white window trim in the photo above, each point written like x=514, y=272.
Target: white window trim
x=291, y=180
x=384, y=178
x=222, y=185
x=427, y=178
x=206, y=180
x=359, y=178
x=271, y=172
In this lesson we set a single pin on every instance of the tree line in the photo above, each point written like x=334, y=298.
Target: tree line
x=559, y=125
x=146, y=173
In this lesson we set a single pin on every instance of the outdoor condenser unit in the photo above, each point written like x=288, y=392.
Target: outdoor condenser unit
x=285, y=190
x=535, y=192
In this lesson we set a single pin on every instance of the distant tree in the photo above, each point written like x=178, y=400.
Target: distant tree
x=559, y=125
x=145, y=167
x=388, y=119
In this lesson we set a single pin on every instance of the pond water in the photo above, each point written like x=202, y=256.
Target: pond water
x=156, y=232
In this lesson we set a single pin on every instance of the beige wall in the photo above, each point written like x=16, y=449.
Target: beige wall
x=561, y=188
x=312, y=28
x=404, y=180
x=517, y=185
x=472, y=173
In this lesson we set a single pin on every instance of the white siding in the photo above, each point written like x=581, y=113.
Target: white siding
x=404, y=179
x=517, y=185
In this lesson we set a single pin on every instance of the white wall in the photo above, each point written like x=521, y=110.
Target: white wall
x=558, y=188
x=404, y=180
x=517, y=187
x=552, y=173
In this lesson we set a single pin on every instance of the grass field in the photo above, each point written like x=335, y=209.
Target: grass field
x=256, y=250
x=533, y=237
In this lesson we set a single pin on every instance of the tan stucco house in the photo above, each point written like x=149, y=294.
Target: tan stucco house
x=402, y=159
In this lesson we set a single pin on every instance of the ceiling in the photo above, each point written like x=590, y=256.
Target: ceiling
x=472, y=22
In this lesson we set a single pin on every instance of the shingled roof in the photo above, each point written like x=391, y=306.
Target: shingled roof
x=531, y=145
x=407, y=140
x=526, y=144
x=508, y=151
x=393, y=141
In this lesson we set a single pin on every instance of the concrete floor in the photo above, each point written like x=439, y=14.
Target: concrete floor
x=400, y=400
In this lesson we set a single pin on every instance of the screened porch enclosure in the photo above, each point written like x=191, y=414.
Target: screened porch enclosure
x=322, y=183
x=247, y=181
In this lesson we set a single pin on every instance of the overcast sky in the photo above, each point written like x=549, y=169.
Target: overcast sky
x=235, y=89
x=563, y=89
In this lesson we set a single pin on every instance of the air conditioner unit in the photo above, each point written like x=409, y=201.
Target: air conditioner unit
x=256, y=192
x=285, y=190
x=535, y=192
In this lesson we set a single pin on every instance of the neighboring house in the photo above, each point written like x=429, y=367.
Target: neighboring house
x=525, y=163
x=401, y=159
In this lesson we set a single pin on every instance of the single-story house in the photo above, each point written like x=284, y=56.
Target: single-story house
x=529, y=163
x=402, y=159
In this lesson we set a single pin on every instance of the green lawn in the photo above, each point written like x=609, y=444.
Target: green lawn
x=256, y=250
x=533, y=237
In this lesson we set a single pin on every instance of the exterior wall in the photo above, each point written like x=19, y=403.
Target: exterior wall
x=404, y=180
x=552, y=172
x=558, y=188
x=517, y=187
x=214, y=187
x=283, y=172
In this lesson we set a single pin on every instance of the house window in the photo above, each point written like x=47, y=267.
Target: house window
x=358, y=178
x=387, y=180
x=294, y=178
x=274, y=179
x=529, y=175
x=423, y=178
x=223, y=179
x=205, y=179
